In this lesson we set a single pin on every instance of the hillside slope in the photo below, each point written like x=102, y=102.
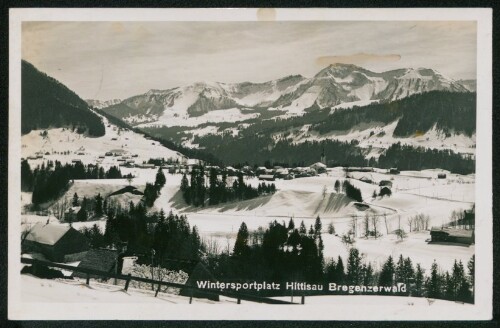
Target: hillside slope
x=47, y=103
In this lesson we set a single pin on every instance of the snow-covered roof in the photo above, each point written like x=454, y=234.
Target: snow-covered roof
x=48, y=234
x=318, y=164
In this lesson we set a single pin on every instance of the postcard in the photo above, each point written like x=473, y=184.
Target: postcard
x=250, y=164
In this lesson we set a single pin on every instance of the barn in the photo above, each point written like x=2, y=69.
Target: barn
x=452, y=235
x=54, y=241
x=267, y=177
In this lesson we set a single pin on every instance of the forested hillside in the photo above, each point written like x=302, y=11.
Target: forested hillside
x=417, y=114
x=46, y=103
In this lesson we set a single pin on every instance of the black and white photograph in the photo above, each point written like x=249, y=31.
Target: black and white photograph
x=250, y=164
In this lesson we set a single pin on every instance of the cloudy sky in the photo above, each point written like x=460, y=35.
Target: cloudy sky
x=105, y=60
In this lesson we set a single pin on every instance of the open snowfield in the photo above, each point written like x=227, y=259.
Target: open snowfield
x=34, y=289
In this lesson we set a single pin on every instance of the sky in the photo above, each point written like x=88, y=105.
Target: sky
x=109, y=60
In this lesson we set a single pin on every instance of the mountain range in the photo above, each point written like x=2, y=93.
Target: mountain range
x=335, y=85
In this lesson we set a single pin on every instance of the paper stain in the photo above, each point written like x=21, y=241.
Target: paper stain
x=419, y=133
x=117, y=27
x=359, y=58
x=266, y=14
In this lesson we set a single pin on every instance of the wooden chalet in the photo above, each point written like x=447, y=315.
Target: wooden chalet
x=54, y=241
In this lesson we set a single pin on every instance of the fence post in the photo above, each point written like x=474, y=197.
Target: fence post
x=191, y=296
x=303, y=300
x=239, y=301
x=127, y=282
x=88, y=279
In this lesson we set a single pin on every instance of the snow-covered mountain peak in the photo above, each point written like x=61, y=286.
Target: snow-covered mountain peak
x=334, y=85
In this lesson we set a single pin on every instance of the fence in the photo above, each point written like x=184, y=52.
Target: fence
x=129, y=277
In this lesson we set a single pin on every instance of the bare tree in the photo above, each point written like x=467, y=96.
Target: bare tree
x=375, y=220
x=59, y=208
x=366, y=225
x=426, y=222
x=386, y=227
x=353, y=224
x=410, y=221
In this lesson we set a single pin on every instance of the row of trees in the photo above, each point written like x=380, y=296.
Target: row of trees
x=48, y=181
x=406, y=157
x=156, y=238
x=195, y=191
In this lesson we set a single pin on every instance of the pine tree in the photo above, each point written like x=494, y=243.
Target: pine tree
x=75, y=200
x=463, y=292
x=185, y=189
x=213, y=193
x=367, y=273
x=331, y=228
x=419, y=280
x=434, y=284
x=470, y=268
x=340, y=271
x=302, y=228
x=98, y=205
x=241, y=245
x=400, y=273
x=195, y=244
x=321, y=247
x=317, y=226
x=354, y=267
x=82, y=214
x=408, y=271
x=160, y=179
x=387, y=273
x=291, y=225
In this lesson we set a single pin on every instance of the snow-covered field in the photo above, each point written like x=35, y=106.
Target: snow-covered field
x=34, y=289
x=88, y=149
